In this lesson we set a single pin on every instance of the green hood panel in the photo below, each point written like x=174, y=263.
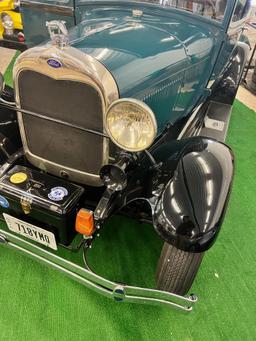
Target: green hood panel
x=163, y=61
x=133, y=52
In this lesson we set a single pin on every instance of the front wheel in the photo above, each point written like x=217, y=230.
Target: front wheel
x=177, y=269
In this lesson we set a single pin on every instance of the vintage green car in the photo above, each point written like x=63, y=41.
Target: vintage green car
x=125, y=112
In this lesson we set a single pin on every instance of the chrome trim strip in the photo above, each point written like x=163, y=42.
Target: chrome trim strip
x=62, y=10
x=75, y=66
x=116, y=291
x=189, y=122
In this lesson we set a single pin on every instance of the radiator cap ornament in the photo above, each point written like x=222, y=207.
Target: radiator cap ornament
x=58, y=32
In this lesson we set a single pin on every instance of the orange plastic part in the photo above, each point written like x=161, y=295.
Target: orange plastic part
x=84, y=222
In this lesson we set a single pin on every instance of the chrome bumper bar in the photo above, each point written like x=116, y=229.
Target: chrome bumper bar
x=115, y=291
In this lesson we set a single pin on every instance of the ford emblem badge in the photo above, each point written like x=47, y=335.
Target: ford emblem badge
x=54, y=63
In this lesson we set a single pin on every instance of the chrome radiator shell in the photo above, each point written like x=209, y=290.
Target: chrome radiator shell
x=79, y=68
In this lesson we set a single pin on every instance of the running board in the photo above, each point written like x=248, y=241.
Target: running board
x=216, y=121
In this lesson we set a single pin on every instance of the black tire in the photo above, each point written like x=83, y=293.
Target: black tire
x=177, y=269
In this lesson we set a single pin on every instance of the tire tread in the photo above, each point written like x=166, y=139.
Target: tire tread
x=177, y=269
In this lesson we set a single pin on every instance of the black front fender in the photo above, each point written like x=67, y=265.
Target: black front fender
x=191, y=208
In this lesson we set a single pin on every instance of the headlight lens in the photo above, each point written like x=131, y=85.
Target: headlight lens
x=131, y=124
x=7, y=21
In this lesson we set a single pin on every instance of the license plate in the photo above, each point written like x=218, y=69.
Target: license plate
x=31, y=231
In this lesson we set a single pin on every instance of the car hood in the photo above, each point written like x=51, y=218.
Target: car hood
x=149, y=57
x=136, y=49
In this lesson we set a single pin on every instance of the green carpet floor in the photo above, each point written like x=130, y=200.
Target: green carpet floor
x=37, y=303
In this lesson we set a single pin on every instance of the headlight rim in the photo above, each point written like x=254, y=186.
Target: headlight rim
x=136, y=102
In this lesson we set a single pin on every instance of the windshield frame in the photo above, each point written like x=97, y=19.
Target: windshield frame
x=166, y=11
x=186, y=10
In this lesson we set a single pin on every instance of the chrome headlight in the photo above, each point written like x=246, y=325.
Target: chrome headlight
x=16, y=3
x=7, y=23
x=131, y=124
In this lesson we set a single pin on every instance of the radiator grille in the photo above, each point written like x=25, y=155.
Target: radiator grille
x=73, y=102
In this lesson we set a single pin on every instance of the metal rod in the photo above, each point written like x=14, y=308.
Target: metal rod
x=145, y=293
x=31, y=113
x=115, y=291
x=249, y=64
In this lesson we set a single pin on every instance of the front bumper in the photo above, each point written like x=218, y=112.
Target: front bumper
x=116, y=291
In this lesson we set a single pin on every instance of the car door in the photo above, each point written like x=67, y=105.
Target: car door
x=234, y=53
